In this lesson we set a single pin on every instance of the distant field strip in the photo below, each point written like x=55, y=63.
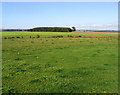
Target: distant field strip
x=51, y=33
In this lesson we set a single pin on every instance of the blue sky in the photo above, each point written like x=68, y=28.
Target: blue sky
x=82, y=15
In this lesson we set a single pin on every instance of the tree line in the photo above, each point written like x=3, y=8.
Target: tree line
x=53, y=29
x=45, y=29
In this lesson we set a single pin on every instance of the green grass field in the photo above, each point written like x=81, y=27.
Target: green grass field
x=20, y=33
x=59, y=65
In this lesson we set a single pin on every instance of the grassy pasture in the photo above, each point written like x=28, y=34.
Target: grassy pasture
x=17, y=33
x=59, y=65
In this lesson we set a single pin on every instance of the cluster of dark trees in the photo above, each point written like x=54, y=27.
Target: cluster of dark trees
x=45, y=29
x=53, y=29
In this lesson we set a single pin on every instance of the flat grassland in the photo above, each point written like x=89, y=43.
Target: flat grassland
x=87, y=64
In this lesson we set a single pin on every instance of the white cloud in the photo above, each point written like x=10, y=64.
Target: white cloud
x=99, y=27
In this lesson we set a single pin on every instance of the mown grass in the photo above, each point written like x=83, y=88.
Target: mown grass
x=59, y=65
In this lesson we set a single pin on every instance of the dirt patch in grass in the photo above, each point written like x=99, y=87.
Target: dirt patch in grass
x=98, y=32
